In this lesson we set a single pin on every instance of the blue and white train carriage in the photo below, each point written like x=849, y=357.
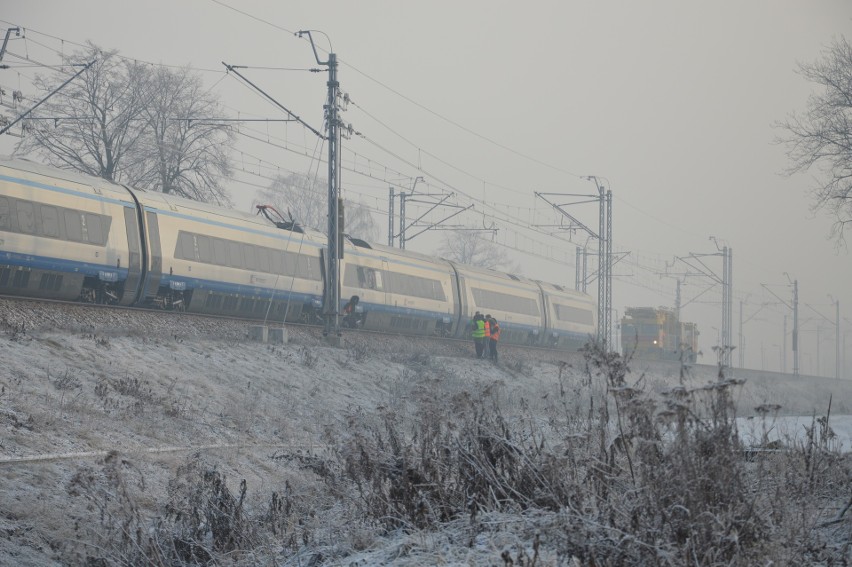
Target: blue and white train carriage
x=515, y=302
x=219, y=261
x=68, y=236
x=569, y=316
x=399, y=290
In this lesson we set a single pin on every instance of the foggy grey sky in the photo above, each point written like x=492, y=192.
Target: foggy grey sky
x=672, y=103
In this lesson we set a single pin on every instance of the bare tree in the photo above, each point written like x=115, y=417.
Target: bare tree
x=148, y=127
x=469, y=247
x=185, y=149
x=305, y=200
x=360, y=222
x=94, y=124
x=821, y=137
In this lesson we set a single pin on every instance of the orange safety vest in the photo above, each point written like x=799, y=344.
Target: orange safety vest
x=487, y=330
x=495, y=332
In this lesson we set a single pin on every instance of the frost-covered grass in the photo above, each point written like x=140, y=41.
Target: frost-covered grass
x=192, y=448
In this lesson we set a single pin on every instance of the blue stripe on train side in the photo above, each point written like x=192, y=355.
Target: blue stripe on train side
x=244, y=290
x=59, y=265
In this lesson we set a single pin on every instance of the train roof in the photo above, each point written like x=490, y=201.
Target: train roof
x=151, y=198
x=491, y=273
x=29, y=166
x=161, y=200
x=391, y=252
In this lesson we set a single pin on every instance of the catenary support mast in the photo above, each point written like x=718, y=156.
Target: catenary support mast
x=334, y=251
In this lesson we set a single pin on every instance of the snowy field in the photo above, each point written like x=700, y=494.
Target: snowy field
x=793, y=430
x=167, y=394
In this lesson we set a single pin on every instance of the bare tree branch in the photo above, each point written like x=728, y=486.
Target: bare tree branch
x=149, y=127
x=469, y=247
x=97, y=122
x=821, y=137
x=186, y=146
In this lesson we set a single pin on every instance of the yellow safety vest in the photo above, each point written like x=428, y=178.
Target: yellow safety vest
x=478, y=329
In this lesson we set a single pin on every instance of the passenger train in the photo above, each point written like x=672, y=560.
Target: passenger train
x=64, y=235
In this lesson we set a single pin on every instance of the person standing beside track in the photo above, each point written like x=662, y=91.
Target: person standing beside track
x=478, y=334
x=487, y=337
x=494, y=336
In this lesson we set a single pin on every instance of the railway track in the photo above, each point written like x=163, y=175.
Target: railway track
x=132, y=318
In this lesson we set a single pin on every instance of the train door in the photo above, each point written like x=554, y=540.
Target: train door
x=547, y=330
x=449, y=324
x=134, y=261
x=462, y=313
x=155, y=257
x=383, y=281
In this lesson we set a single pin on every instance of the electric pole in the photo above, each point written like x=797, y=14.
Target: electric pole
x=604, y=238
x=334, y=251
x=795, y=327
x=402, y=196
x=390, y=217
x=795, y=308
x=696, y=263
x=837, y=339
x=581, y=269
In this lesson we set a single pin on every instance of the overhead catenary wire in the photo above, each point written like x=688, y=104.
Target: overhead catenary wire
x=458, y=190
x=491, y=206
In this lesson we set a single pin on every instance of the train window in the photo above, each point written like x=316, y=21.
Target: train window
x=302, y=266
x=185, y=246
x=350, y=276
x=314, y=268
x=378, y=276
x=195, y=247
x=363, y=278
x=26, y=217
x=132, y=230
x=263, y=261
x=504, y=301
x=84, y=227
x=99, y=228
x=415, y=286
x=5, y=219
x=49, y=221
x=205, y=249
x=235, y=256
x=573, y=314
x=370, y=278
x=93, y=228
x=250, y=256
x=292, y=264
x=239, y=255
x=278, y=266
x=220, y=252
x=73, y=225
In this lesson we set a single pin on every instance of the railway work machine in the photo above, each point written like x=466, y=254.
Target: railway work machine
x=656, y=333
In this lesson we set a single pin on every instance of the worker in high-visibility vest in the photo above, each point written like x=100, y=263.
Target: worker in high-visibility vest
x=478, y=333
x=494, y=327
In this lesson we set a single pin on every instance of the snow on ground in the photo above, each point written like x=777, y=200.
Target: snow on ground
x=78, y=383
